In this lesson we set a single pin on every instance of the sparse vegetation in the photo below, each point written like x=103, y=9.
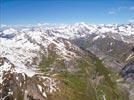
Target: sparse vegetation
x=91, y=81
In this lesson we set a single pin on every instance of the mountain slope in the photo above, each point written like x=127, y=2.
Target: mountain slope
x=54, y=63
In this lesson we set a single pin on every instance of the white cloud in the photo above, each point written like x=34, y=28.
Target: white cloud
x=121, y=9
x=131, y=21
x=111, y=12
x=131, y=8
x=3, y=25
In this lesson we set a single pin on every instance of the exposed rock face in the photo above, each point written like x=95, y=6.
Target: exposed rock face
x=19, y=86
x=128, y=72
x=128, y=69
x=112, y=52
x=132, y=49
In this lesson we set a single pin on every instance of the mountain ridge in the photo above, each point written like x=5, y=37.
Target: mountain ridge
x=55, y=51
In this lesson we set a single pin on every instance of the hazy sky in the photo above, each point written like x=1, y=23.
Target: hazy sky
x=66, y=11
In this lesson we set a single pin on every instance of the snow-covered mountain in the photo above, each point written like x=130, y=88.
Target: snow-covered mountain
x=23, y=51
x=22, y=45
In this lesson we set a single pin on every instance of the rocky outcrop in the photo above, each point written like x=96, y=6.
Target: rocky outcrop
x=19, y=86
x=128, y=69
x=128, y=72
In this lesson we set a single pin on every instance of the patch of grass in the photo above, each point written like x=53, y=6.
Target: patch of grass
x=76, y=88
x=48, y=61
x=109, y=87
x=78, y=85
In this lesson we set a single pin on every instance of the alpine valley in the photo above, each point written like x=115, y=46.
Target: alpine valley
x=67, y=62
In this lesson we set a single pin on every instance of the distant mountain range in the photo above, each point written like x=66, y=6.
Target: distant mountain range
x=67, y=62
